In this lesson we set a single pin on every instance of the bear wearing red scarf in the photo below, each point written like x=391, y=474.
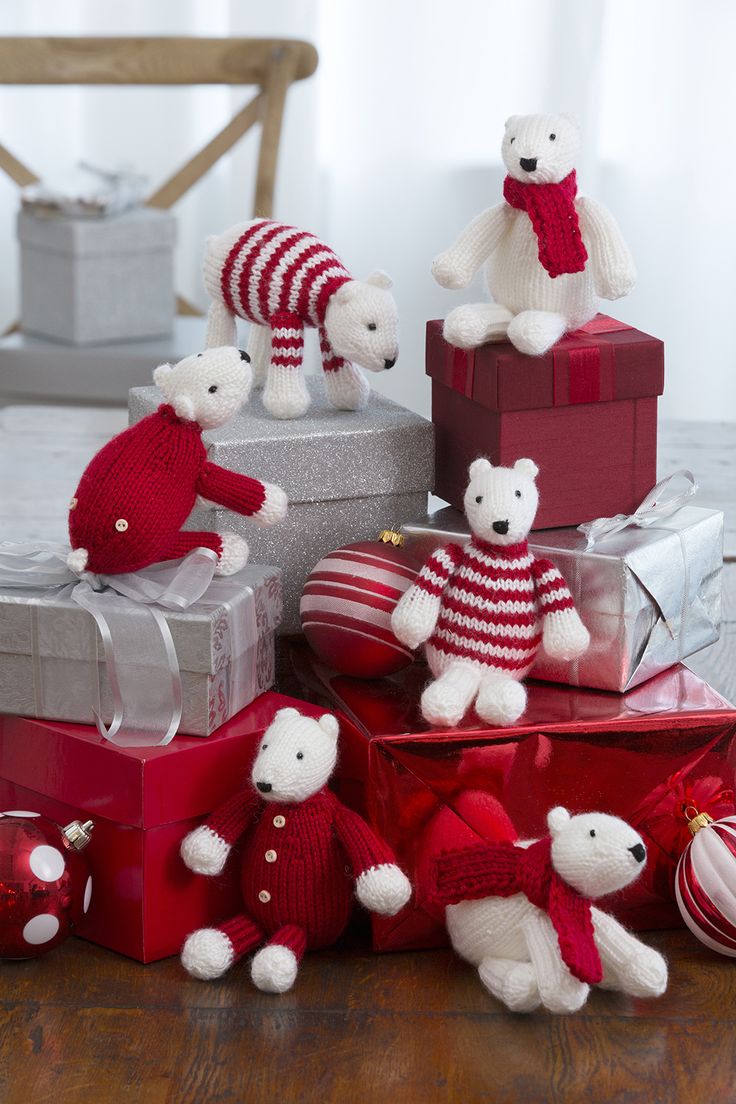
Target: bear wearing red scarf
x=548, y=253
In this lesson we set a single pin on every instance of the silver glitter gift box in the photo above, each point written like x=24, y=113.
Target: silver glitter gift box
x=52, y=659
x=649, y=597
x=347, y=474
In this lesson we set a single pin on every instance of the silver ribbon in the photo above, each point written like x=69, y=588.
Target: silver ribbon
x=142, y=666
x=661, y=502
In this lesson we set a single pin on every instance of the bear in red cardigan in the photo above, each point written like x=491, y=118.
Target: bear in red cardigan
x=138, y=491
x=302, y=849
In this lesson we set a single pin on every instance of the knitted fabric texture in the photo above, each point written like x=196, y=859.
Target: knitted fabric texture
x=137, y=492
x=503, y=870
x=551, y=208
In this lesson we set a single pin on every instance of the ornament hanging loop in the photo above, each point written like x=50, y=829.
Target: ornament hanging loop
x=696, y=820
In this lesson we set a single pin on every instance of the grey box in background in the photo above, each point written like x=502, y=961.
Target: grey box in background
x=348, y=474
x=96, y=280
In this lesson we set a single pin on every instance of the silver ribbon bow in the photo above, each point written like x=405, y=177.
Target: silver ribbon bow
x=661, y=502
x=142, y=666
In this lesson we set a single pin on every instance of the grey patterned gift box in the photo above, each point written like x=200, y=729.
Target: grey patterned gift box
x=347, y=474
x=87, y=281
x=52, y=660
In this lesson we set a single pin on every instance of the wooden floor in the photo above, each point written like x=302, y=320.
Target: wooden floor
x=86, y=1024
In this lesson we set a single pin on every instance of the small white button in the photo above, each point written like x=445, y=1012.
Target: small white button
x=279, y=821
x=264, y=896
x=73, y=504
x=270, y=855
x=121, y=525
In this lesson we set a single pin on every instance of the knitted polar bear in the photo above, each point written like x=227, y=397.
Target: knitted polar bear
x=485, y=608
x=522, y=914
x=282, y=279
x=301, y=850
x=547, y=253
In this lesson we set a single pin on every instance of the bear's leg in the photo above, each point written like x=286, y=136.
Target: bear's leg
x=286, y=394
x=474, y=324
x=558, y=989
x=347, y=387
x=514, y=983
x=221, y=326
x=259, y=351
x=210, y=952
x=232, y=550
x=501, y=699
x=445, y=701
x=534, y=332
x=628, y=964
x=275, y=967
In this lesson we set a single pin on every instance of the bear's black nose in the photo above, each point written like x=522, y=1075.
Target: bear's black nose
x=639, y=852
x=389, y=363
x=244, y=355
x=264, y=787
x=528, y=164
x=501, y=527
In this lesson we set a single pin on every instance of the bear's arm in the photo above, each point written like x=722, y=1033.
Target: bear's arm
x=457, y=266
x=362, y=846
x=205, y=849
x=232, y=818
x=264, y=502
x=564, y=636
x=418, y=610
x=614, y=272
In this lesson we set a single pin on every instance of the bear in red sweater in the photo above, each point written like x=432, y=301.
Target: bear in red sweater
x=138, y=491
x=302, y=850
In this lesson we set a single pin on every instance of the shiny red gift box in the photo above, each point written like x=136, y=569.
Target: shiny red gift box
x=645, y=756
x=586, y=412
x=143, y=801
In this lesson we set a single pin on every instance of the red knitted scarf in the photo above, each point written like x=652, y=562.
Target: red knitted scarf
x=551, y=207
x=502, y=870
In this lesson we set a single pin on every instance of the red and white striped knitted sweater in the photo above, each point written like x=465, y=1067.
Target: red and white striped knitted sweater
x=493, y=600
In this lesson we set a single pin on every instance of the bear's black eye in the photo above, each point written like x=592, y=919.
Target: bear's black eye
x=479, y=498
x=372, y=326
x=518, y=494
x=592, y=831
x=511, y=141
x=199, y=354
x=212, y=389
x=552, y=137
x=300, y=755
x=263, y=747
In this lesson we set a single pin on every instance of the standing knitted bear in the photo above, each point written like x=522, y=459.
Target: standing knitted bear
x=137, y=492
x=301, y=851
x=485, y=608
x=547, y=254
x=282, y=279
x=522, y=914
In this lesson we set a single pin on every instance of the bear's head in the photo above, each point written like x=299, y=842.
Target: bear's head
x=595, y=853
x=501, y=503
x=296, y=757
x=208, y=388
x=540, y=149
x=362, y=322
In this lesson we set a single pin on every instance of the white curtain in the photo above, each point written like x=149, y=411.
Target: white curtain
x=393, y=145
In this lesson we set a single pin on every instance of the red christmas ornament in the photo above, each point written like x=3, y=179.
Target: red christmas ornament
x=705, y=882
x=45, y=884
x=347, y=604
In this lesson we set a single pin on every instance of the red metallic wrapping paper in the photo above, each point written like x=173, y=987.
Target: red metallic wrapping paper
x=143, y=802
x=643, y=756
x=586, y=412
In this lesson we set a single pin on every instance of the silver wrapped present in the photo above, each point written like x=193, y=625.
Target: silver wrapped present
x=347, y=474
x=649, y=596
x=52, y=655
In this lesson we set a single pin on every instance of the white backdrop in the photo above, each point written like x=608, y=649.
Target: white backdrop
x=393, y=145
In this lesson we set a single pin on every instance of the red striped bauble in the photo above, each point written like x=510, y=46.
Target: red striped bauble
x=347, y=603
x=705, y=882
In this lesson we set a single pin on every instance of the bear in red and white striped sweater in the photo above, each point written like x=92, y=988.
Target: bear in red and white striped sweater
x=282, y=279
x=484, y=609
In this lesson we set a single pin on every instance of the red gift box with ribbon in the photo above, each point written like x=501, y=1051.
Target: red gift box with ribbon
x=645, y=756
x=143, y=801
x=586, y=412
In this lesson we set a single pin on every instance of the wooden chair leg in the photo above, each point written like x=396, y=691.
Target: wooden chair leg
x=275, y=87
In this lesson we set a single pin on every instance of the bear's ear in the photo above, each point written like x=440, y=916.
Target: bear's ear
x=160, y=375
x=557, y=818
x=511, y=122
x=527, y=467
x=380, y=279
x=284, y=714
x=571, y=118
x=479, y=467
x=347, y=292
x=329, y=725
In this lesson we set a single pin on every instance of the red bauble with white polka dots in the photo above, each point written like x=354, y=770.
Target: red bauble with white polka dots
x=347, y=603
x=45, y=883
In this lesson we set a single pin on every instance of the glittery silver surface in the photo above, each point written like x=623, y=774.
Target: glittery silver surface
x=347, y=475
x=650, y=597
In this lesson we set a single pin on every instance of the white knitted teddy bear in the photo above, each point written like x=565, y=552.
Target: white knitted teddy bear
x=485, y=608
x=282, y=279
x=522, y=914
x=547, y=254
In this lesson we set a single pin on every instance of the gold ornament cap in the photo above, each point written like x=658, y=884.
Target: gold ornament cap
x=390, y=536
x=697, y=820
x=78, y=834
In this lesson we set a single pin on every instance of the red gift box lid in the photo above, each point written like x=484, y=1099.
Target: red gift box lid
x=143, y=786
x=605, y=360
